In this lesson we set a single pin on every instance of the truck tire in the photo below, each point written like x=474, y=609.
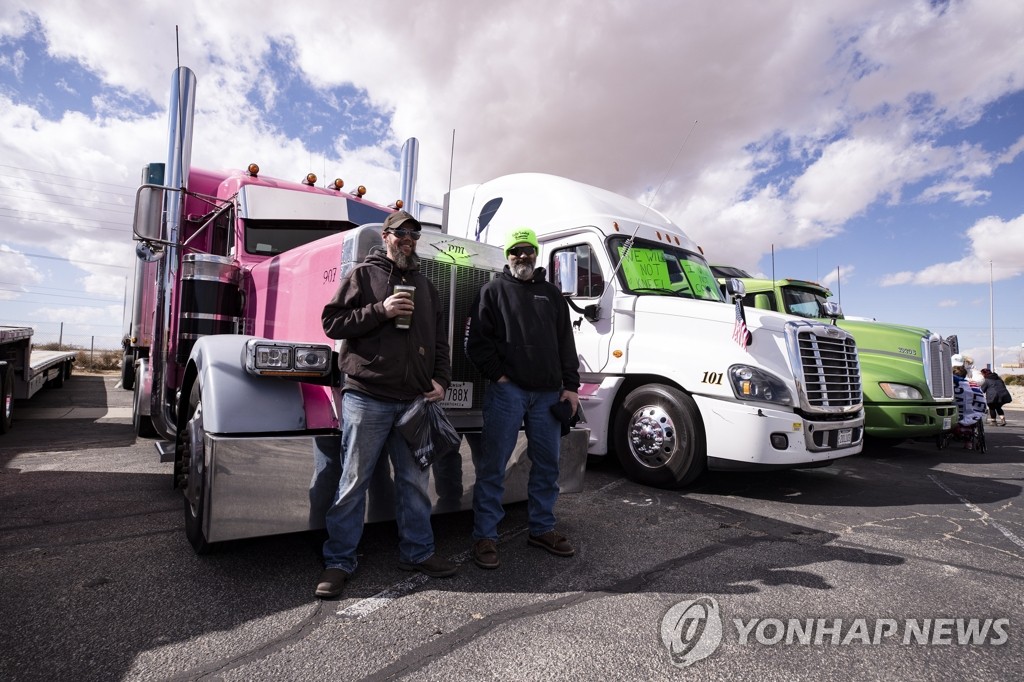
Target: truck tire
x=127, y=372
x=658, y=439
x=142, y=423
x=6, y=398
x=190, y=443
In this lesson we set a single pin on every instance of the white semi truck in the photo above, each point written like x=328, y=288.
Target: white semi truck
x=23, y=371
x=665, y=385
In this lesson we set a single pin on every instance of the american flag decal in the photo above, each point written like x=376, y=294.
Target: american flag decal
x=740, y=333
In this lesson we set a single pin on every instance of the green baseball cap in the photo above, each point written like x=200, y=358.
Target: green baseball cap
x=521, y=235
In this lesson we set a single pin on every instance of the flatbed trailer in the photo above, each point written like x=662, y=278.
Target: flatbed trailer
x=24, y=372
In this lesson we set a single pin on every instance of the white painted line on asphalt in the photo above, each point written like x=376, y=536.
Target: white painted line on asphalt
x=980, y=512
x=75, y=413
x=365, y=607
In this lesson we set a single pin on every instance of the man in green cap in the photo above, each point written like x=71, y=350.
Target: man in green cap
x=520, y=338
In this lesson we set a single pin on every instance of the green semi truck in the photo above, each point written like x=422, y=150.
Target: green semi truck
x=905, y=371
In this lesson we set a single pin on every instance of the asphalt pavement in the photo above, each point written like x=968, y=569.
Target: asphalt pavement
x=902, y=563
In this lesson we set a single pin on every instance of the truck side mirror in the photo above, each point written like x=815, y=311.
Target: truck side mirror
x=566, y=272
x=762, y=302
x=833, y=310
x=149, y=206
x=734, y=289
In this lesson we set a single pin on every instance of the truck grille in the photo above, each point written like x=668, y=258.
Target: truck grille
x=830, y=380
x=457, y=286
x=938, y=366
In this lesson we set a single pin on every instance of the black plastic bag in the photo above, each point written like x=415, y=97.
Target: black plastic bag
x=425, y=427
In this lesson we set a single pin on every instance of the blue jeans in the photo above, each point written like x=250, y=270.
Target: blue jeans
x=506, y=407
x=367, y=429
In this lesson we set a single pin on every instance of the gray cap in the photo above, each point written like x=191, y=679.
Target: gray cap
x=399, y=217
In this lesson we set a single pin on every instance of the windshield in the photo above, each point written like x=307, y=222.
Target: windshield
x=271, y=237
x=650, y=268
x=803, y=302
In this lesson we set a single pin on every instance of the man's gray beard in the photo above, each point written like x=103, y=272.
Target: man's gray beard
x=405, y=262
x=523, y=271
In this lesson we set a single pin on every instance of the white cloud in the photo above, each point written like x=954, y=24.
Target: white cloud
x=995, y=252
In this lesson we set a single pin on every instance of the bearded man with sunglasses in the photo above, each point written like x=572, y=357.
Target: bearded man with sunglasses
x=386, y=367
x=520, y=338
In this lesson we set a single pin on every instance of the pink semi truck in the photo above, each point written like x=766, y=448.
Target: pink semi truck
x=226, y=356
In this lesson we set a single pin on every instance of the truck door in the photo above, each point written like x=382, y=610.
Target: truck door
x=593, y=294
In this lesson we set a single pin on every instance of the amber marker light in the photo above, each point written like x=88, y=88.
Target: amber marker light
x=616, y=354
x=253, y=170
x=359, y=191
x=337, y=184
x=310, y=179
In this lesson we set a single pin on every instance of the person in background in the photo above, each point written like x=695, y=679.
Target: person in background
x=520, y=338
x=386, y=367
x=996, y=395
x=970, y=401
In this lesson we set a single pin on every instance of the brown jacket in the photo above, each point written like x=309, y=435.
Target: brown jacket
x=378, y=358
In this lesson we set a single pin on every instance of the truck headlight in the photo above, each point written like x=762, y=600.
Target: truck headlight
x=751, y=383
x=281, y=358
x=900, y=391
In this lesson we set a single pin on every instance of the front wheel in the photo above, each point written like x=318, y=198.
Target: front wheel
x=191, y=441
x=127, y=372
x=658, y=440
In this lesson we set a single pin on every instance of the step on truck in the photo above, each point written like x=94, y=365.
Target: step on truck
x=665, y=385
x=230, y=366
x=906, y=371
x=25, y=371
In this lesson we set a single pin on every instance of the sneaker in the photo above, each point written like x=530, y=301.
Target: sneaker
x=332, y=582
x=552, y=541
x=485, y=553
x=433, y=565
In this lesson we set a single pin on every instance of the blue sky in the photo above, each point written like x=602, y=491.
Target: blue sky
x=877, y=139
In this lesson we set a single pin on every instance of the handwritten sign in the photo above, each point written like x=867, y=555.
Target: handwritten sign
x=645, y=268
x=701, y=280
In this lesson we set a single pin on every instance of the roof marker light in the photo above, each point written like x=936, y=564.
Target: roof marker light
x=337, y=184
x=359, y=191
x=310, y=179
x=253, y=170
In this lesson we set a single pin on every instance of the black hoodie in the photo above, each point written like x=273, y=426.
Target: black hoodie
x=378, y=358
x=521, y=329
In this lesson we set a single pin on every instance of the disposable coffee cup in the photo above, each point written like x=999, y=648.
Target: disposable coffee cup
x=404, y=321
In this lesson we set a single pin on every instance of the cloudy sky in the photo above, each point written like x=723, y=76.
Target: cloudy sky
x=873, y=145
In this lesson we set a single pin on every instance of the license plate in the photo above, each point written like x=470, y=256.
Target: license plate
x=947, y=423
x=459, y=395
x=845, y=437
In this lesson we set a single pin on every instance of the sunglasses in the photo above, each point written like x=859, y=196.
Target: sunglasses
x=402, y=233
x=520, y=251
